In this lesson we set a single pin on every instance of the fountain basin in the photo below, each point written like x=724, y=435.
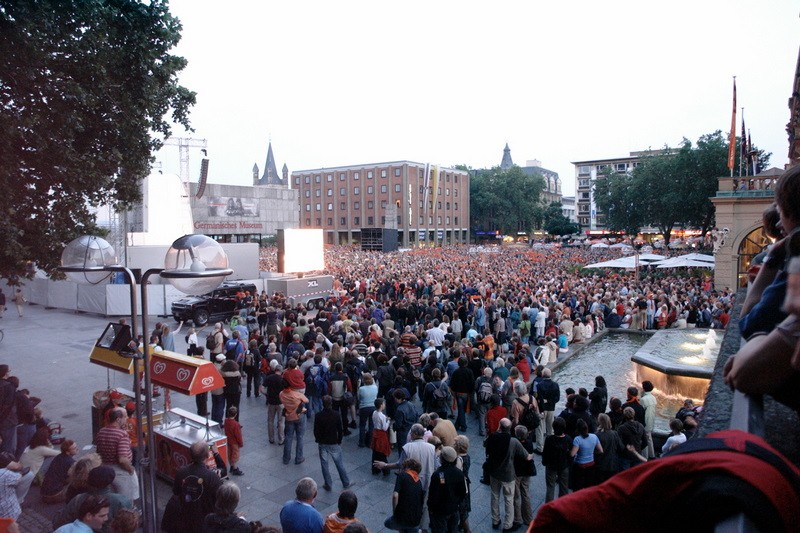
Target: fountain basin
x=678, y=362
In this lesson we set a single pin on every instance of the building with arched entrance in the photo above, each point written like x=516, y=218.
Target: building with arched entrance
x=739, y=204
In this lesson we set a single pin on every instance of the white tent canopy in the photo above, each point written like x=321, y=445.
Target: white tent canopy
x=599, y=245
x=683, y=262
x=699, y=257
x=622, y=262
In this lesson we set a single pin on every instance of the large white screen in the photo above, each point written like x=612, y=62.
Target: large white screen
x=300, y=250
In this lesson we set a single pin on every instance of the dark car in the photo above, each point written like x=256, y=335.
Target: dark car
x=219, y=304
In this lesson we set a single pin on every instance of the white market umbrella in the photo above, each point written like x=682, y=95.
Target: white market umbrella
x=699, y=257
x=599, y=245
x=682, y=262
x=649, y=258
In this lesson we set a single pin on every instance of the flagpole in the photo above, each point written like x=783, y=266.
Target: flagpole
x=732, y=134
x=742, y=147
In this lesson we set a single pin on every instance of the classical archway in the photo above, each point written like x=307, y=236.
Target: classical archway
x=752, y=244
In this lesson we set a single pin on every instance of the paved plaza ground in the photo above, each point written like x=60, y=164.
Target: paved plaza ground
x=48, y=350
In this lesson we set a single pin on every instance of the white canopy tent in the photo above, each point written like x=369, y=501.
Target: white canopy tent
x=682, y=262
x=599, y=245
x=622, y=262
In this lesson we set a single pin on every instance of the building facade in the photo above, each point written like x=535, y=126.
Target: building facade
x=240, y=213
x=586, y=173
x=552, y=183
x=568, y=208
x=342, y=200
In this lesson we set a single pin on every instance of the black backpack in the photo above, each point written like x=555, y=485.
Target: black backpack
x=440, y=395
x=211, y=340
x=529, y=417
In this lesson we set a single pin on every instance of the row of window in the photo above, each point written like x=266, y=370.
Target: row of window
x=371, y=190
x=618, y=167
x=371, y=205
x=356, y=175
x=371, y=221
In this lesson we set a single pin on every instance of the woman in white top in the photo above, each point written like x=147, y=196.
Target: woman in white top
x=677, y=438
x=37, y=451
x=381, y=448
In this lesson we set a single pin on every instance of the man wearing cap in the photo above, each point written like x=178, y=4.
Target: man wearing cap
x=447, y=490
x=114, y=446
x=99, y=480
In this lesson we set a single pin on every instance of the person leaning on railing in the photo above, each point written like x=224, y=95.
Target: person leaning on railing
x=770, y=362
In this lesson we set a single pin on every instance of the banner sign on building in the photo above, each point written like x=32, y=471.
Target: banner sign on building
x=232, y=206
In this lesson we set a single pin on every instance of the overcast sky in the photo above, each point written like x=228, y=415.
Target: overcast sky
x=341, y=83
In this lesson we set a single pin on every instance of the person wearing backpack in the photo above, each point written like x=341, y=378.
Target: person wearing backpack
x=234, y=348
x=250, y=365
x=437, y=394
x=484, y=390
x=215, y=341
x=525, y=409
x=316, y=380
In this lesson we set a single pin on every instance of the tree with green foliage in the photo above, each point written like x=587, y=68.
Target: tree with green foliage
x=84, y=90
x=505, y=200
x=668, y=188
x=555, y=223
x=615, y=195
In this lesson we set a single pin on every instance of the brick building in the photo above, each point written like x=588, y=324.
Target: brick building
x=342, y=200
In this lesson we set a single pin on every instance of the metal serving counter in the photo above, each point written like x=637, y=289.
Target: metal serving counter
x=175, y=435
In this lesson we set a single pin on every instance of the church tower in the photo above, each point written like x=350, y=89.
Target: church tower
x=506, y=163
x=285, y=172
x=270, y=176
x=255, y=174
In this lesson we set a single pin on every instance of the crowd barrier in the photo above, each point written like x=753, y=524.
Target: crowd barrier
x=107, y=299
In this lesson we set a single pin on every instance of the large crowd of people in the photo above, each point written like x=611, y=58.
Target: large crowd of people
x=411, y=349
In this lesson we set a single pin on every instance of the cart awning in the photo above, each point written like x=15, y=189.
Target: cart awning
x=184, y=374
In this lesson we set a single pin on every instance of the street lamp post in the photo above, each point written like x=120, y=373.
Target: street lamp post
x=195, y=264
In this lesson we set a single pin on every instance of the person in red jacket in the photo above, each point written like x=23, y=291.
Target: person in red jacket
x=495, y=415
x=293, y=376
x=233, y=431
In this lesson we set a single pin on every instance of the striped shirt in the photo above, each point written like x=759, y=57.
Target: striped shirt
x=113, y=443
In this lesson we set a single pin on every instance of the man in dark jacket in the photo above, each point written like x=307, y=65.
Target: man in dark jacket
x=195, y=491
x=405, y=415
x=631, y=432
x=446, y=492
x=328, y=434
x=633, y=403
x=548, y=393
x=462, y=383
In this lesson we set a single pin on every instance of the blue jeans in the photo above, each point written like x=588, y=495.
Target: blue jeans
x=218, y=408
x=461, y=402
x=9, y=436
x=25, y=433
x=364, y=417
x=315, y=405
x=391, y=523
x=443, y=523
x=295, y=429
x=335, y=453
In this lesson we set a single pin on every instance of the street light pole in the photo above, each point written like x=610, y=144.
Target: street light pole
x=137, y=386
x=191, y=257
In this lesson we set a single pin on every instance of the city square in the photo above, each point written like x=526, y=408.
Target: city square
x=508, y=268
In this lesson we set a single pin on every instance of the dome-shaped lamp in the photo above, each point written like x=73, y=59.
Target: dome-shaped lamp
x=84, y=258
x=196, y=264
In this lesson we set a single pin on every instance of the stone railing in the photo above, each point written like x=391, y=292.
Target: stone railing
x=747, y=186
